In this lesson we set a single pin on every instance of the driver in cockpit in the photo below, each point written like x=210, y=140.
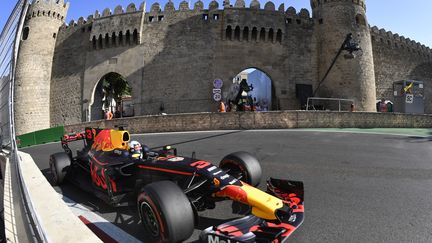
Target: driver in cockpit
x=137, y=151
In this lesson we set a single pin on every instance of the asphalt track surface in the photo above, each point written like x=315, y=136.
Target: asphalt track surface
x=358, y=187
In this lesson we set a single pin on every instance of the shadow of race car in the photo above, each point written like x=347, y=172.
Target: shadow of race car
x=169, y=189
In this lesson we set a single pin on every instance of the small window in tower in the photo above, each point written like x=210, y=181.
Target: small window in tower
x=360, y=20
x=288, y=21
x=128, y=37
x=320, y=21
x=151, y=18
x=237, y=33
x=54, y=35
x=135, y=36
x=396, y=45
x=388, y=42
x=160, y=18
x=298, y=21
x=270, y=35
x=279, y=36
x=262, y=34
x=94, y=42
x=215, y=16
x=246, y=33
x=254, y=34
x=205, y=16
x=25, y=33
x=228, y=32
x=373, y=38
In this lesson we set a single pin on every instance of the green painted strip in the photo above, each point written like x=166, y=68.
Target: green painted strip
x=49, y=135
x=26, y=140
x=53, y=134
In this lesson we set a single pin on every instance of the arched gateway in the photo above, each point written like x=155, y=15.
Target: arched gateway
x=113, y=93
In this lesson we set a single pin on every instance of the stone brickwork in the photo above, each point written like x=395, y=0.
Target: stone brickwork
x=399, y=58
x=34, y=65
x=350, y=78
x=260, y=120
x=171, y=54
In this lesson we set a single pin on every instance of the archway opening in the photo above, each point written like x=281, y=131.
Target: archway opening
x=251, y=90
x=112, y=93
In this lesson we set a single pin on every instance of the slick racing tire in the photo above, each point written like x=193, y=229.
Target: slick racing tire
x=165, y=212
x=58, y=163
x=243, y=166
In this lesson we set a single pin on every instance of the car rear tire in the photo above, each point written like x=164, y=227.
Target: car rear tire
x=166, y=212
x=58, y=163
x=243, y=166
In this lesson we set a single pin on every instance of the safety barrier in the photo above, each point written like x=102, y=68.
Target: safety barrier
x=260, y=120
x=53, y=134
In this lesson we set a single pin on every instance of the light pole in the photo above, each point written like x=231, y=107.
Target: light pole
x=348, y=45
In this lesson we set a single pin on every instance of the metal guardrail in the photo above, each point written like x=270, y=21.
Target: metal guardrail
x=328, y=99
x=25, y=227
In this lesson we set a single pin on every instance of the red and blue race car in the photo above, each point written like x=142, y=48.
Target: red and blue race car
x=169, y=190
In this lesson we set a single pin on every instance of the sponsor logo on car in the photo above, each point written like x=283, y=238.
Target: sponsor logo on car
x=217, y=239
x=224, y=177
x=211, y=168
x=217, y=172
x=176, y=159
x=233, y=181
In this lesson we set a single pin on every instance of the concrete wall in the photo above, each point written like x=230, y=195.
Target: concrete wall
x=260, y=120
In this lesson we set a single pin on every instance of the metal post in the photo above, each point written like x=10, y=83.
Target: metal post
x=346, y=45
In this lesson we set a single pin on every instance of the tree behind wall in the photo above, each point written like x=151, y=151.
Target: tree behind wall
x=115, y=87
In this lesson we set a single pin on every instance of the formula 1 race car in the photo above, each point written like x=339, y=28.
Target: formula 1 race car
x=169, y=189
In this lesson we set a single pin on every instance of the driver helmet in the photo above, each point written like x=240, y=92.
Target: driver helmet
x=135, y=149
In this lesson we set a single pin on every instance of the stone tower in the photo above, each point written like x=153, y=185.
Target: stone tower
x=349, y=78
x=35, y=57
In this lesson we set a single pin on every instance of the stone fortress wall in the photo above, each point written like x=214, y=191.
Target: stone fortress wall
x=171, y=56
x=397, y=58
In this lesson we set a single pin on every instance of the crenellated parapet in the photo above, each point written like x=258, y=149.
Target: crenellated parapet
x=400, y=43
x=317, y=3
x=55, y=9
x=123, y=26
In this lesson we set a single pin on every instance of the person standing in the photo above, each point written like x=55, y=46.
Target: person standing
x=221, y=106
x=108, y=115
x=382, y=106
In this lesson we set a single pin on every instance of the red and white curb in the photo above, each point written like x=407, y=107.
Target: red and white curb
x=103, y=229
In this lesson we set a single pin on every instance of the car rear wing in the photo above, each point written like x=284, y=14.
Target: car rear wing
x=71, y=137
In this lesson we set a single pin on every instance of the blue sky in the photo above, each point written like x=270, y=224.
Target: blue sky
x=410, y=18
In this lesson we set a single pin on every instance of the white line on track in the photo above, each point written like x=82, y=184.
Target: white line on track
x=110, y=229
